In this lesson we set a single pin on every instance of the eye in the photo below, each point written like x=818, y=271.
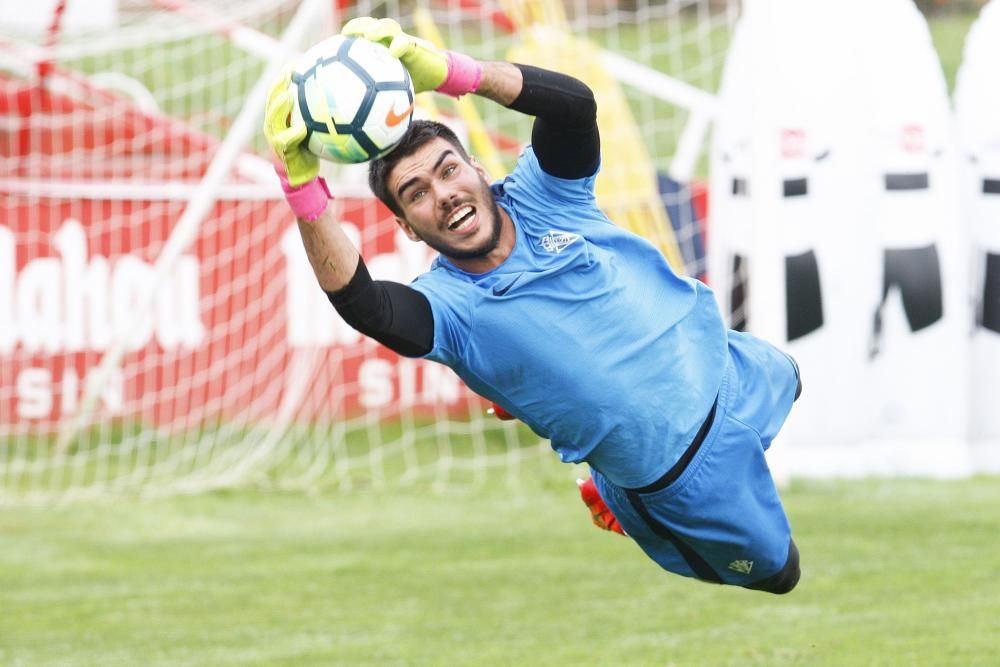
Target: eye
x=449, y=170
x=417, y=194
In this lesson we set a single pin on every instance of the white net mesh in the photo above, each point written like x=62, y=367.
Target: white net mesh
x=232, y=366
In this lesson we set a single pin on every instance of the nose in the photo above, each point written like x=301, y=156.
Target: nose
x=447, y=198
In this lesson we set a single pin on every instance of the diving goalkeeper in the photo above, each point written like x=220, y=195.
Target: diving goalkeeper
x=575, y=326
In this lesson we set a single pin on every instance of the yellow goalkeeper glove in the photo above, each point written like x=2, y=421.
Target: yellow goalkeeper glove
x=427, y=66
x=447, y=72
x=285, y=137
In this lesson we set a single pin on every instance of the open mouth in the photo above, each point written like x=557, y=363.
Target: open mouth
x=461, y=219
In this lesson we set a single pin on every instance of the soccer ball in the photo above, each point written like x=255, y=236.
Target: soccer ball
x=355, y=99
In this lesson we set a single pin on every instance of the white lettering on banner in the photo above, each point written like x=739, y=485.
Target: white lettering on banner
x=70, y=392
x=312, y=321
x=36, y=317
x=441, y=385
x=375, y=378
x=74, y=302
x=406, y=383
x=36, y=389
x=407, y=370
x=8, y=333
x=34, y=393
x=133, y=280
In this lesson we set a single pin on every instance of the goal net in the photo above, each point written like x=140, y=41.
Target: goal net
x=162, y=330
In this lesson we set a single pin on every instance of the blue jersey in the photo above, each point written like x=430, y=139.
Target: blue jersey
x=584, y=332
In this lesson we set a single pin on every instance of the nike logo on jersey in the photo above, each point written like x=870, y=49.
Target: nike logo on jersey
x=392, y=119
x=503, y=288
x=556, y=241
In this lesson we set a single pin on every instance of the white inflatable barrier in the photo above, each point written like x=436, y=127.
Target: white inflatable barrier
x=977, y=110
x=874, y=302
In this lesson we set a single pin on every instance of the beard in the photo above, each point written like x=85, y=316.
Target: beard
x=492, y=218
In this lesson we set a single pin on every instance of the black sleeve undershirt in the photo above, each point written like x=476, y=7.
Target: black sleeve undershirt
x=567, y=144
x=565, y=136
x=395, y=315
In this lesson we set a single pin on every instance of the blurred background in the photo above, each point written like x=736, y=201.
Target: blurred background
x=830, y=169
x=825, y=167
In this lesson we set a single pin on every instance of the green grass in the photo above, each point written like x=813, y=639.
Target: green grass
x=895, y=573
x=128, y=458
x=948, y=33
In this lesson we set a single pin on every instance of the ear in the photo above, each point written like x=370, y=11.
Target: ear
x=407, y=229
x=480, y=169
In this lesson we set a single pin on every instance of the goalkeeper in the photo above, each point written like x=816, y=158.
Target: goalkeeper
x=575, y=326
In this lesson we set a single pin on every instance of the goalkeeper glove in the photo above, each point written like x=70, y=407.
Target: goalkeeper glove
x=285, y=137
x=599, y=512
x=447, y=72
x=298, y=169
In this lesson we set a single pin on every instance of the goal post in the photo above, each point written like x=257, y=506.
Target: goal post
x=164, y=331
x=185, y=230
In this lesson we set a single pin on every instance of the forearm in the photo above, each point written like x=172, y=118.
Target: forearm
x=397, y=316
x=501, y=82
x=331, y=253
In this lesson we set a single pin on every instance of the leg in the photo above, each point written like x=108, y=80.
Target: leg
x=720, y=521
x=785, y=579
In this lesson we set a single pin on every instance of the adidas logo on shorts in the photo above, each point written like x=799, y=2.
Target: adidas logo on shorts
x=741, y=566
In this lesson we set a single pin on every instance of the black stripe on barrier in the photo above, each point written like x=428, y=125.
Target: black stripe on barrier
x=991, y=186
x=737, y=293
x=990, y=306
x=895, y=182
x=803, y=295
x=796, y=187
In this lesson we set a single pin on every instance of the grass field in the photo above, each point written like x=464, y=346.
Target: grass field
x=895, y=573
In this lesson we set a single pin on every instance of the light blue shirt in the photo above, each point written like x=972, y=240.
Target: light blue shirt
x=584, y=332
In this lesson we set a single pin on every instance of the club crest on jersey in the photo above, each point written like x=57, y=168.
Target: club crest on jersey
x=557, y=241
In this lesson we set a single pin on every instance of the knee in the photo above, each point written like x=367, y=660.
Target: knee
x=785, y=579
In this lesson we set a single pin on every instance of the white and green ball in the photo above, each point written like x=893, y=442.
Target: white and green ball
x=355, y=99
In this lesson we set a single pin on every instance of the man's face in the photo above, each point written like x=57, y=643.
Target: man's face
x=446, y=202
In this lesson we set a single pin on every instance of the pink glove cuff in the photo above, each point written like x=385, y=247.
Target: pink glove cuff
x=464, y=74
x=307, y=201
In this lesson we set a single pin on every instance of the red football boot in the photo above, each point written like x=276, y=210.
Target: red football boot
x=499, y=413
x=599, y=512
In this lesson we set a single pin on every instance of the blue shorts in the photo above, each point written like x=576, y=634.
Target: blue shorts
x=717, y=516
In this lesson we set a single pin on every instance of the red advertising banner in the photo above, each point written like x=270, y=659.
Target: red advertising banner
x=238, y=321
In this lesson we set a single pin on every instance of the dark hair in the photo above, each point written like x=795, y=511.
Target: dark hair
x=418, y=134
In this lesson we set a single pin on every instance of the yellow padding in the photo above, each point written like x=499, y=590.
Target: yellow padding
x=627, y=186
x=482, y=145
